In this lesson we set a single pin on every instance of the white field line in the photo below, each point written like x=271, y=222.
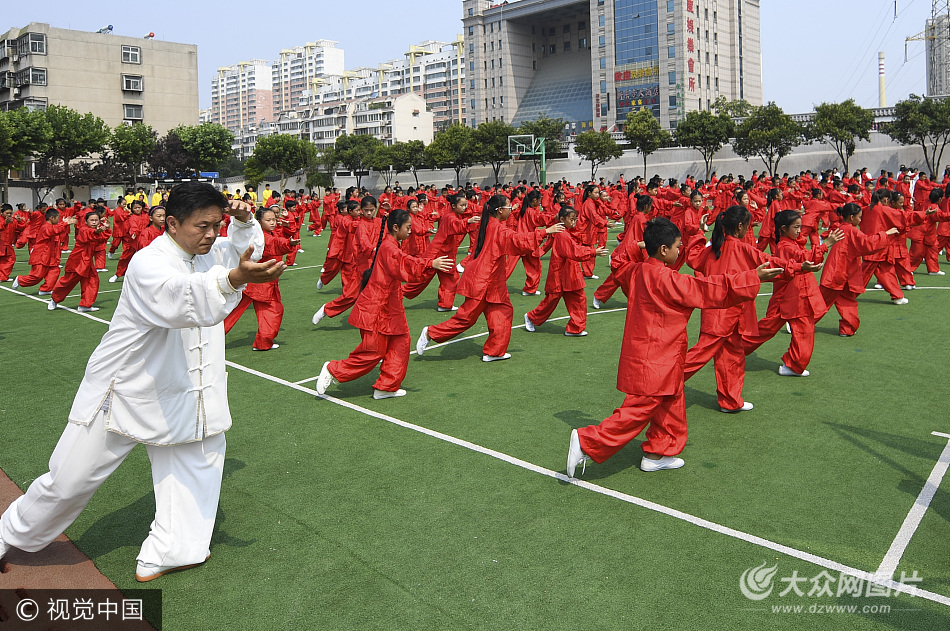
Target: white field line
x=45, y=300
x=297, y=268
x=912, y=521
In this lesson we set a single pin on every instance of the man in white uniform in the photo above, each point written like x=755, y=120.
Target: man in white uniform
x=157, y=377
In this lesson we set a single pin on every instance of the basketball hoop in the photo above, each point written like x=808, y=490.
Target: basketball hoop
x=516, y=156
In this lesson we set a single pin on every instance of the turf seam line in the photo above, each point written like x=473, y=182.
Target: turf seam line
x=671, y=512
x=915, y=515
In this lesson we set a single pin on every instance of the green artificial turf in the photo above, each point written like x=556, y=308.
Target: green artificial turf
x=334, y=519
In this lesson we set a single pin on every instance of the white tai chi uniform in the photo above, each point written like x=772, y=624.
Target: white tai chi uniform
x=157, y=377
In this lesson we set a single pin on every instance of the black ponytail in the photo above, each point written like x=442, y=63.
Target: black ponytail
x=772, y=196
x=848, y=210
x=526, y=202
x=490, y=210
x=726, y=223
x=783, y=220
x=395, y=218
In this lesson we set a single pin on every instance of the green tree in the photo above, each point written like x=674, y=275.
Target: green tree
x=740, y=108
x=207, y=144
x=706, y=133
x=644, y=132
x=23, y=133
x=169, y=158
x=284, y=154
x=131, y=146
x=492, y=140
x=355, y=153
x=385, y=160
x=327, y=162
x=925, y=123
x=74, y=136
x=454, y=148
x=841, y=125
x=769, y=134
x=597, y=147
x=414, y=155
x=552, y=130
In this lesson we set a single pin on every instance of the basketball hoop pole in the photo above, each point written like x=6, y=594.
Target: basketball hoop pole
x=544, y=177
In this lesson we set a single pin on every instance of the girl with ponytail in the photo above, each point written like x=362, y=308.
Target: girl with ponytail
x=484, y=282
x=379, y=313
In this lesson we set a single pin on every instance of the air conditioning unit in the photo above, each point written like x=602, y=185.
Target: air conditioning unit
x=16, y=91
x=15, y=57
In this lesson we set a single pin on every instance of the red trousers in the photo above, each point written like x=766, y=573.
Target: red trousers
x=331, y=267
x=811, y=235
x=392, y=350
x=921, y=251
x=763, y=243
x=846, y=302
x=124, y=258
x=351, y=278
x=269, y=315
x=905, y=275
x=943, y=242
x=100, y=261
x=803, y=338
x=728, y=355
x=292, y=256
x=46, y=273
x=588, y=266
x=532, y=269
x=886, y=276
x=6, y=263
x=88, y=285
x=448, y=282
x=116, y=240
x=576, y=303
x=666, y=434
x=607, y=288
x=497, y=315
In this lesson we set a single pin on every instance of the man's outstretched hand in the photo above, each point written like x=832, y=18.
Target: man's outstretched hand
x=248, y=271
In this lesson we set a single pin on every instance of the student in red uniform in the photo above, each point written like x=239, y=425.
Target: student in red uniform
x=565, y=279
x=380, y=316
x=154, y=229
x=842, y=279
x=36, y=221
x=591, y=218
x=795, y=299
x=453, y=226
x=484, y=282
x=265, y=296
x=653, y=351
x=923, y=238
x=342, y=223
x=418, y=240
x=120, y=230
x=81, y=266
x=528, y=219
x=136, y=223
x=721, y=330
x=45, y=255
x=10, y=230
x=357, y=254
x=943, y=228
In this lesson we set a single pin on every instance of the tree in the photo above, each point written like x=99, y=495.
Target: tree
x=925, y=123
x=384, y=161
x=740, y=108
x=551, y=129
x=492, y=140
x=327, y=162
x=643, y=131
x=415, y=157
x=131, y=146
x=207, y=144
x=356, y=153
x=841, y=125
x=73, y=136
x=284, y=154
x=23, y=133
x=454, y=148
x=768, y=133
x=706, y=133
x=169, y=158
x=597, y=147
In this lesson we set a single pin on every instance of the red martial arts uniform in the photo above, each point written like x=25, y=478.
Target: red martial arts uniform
x=135, y=225
x=652, y=355
x=529, y=221
x=565, y=280
x=452, y=229
x=890, y=265
x=9, y=232
x=341, y=227
x=81, y=267
x=45, y=257
x=842, y=279
x=357, y=255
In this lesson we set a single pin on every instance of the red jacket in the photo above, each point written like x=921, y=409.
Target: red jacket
x=46, y=250
x=275, y=247
x=485, y=277
x=842, y=270
x=796, y=295
x=564, y=272
x=379, y=306
x=452, y=229
x=82, y=259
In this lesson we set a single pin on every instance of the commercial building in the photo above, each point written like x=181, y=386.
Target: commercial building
x=242, y=94
x=119, y=79
x=591, y=62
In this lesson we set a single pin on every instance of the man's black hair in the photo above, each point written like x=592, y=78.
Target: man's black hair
x=660, y=231
x=189, y=197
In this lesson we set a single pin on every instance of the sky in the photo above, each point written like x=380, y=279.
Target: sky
x=812, y=51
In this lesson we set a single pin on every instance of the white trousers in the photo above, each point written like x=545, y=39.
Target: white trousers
x=186, y=479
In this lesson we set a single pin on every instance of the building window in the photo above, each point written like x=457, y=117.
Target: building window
x=672, y=78
x=670, y=29
x=567, y=47
x=582, y=44
x=471, y=11
x=567, y=29
x=669, y=6
x=552, y=32
x=132, y=83
x=603, y=41
x=553, y=49
x=601, y=20
x=132, y=112
x=37, y=76
x=471, y=30
x=671, y=52
x=603, y=62
x=581, y=26
x=603, y=87
x=672, y=102
x=38, y=43
x=131, y=55
x=473, y=84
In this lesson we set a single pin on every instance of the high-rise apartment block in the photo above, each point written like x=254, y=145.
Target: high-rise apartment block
x=591, y=62
x=300, y=68
x=119, y=79
x=242, y=94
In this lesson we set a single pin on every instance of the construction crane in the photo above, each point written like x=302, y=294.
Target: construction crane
x=936, y=35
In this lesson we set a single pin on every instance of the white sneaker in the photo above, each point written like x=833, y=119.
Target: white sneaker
x=900, y=301
x=299, y=251
x=598, y=304
x=319, y=284
x=16, y=282
x=530, y=293
x=52, y=305
x=940, y=273
x=666, y=462
x=445, y=309
x=785, y=371
x=878, y=286
x=422, y=342
x=319, y=315
x=272, y=347
x=325, y=379
x=101, y=269
x=44, y=293
x=492, y=358
x=788, y=328
x=581, y=334
x=384, y=394
x=145, y=572
x=594, y=277
x=576, y=455
x=745, y=408
x=528, y=324
x=110, y=256
x=459, y=268
x=4, y=548
x=113, y=279
x=67, y=251
x=908, y=287
x=87, y=309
